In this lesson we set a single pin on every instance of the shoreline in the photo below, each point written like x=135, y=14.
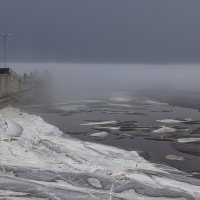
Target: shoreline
x=42, y=160
x=149, y=147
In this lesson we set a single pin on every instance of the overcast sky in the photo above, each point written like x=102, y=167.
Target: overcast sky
x=102, y=31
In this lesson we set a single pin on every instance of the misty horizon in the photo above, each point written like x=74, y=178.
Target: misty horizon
x=96, y=81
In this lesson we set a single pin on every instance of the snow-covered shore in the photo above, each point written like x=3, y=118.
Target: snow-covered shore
x=37, y=162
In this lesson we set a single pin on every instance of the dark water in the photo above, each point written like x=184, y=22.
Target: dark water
x=136, y=121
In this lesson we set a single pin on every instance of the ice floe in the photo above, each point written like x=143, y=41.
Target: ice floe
x=42, y=164
x=111, y=128
x=99, y=123
x=119, y=105
x=165, y=129
x=174, y=121
x=122, y=99
x=174, y=157
x=170, y=121
x=187, y=140
x=102, y=134
x=155, y=102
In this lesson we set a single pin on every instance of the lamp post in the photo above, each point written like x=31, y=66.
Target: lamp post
x=4, y=36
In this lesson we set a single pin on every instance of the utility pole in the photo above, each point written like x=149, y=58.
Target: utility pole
x=4, y=36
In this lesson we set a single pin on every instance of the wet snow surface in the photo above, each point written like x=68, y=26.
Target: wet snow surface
x=40, y=161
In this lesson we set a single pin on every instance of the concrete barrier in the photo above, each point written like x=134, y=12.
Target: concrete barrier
x=16, y=89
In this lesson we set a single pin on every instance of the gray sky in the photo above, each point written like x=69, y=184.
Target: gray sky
x=102, y=31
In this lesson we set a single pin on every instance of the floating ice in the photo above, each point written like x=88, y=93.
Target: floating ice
x=102, y=134
x=187, y=140
x=165, y=129
x=174, y=121
x=174, y=157
x=170, y=121
x=155, y=102
x=111, y=128
x=119, y=105
x=121, y=99
x=99, y=123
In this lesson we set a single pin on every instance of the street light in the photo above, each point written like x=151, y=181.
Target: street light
x=4, y=36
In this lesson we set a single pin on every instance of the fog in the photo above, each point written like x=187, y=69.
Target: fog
x=112, y=31
x=99, y=81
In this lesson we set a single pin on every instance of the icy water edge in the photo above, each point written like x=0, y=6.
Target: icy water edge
x=39, y=161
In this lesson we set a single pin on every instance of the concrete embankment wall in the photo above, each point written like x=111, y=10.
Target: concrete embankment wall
x=13, y=88
x=4, y=84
